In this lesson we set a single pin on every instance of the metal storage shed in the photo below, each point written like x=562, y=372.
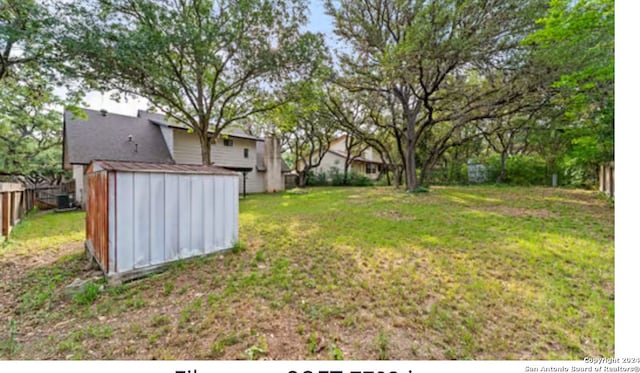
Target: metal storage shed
x=141, y=216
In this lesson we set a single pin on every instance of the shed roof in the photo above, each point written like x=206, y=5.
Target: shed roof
x=160, y=168
x=106, y=136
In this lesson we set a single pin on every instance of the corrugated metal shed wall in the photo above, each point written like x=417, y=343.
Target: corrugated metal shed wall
x=156, y=218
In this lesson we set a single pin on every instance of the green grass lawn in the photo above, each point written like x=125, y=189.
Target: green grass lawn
x=332, y=273
x=39, y=233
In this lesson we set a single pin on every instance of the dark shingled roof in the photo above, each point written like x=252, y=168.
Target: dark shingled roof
x=162, y=120
x=107, y=137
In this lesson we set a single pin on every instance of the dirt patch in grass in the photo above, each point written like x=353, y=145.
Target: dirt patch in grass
x=393, y=215
x=518, y=211
x=43, y=257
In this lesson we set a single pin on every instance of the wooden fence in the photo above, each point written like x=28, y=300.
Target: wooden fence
x=290, y=181
x=15, y=202
x=46, y=195
x=607, y=179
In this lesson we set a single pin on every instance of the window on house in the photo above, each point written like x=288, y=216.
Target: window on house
x=227, y=142
x=246, y=153
x=371, y=168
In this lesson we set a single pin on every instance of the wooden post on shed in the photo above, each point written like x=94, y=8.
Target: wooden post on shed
x=5, y=214
x=15, y=209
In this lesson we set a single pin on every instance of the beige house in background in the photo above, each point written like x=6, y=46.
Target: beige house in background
x=367, y=162
x=150, y=138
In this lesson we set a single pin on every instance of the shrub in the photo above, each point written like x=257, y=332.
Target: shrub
x=521, y=170
x=420, y=189
x=353, y=178
x=317, y=179
x=356, y=179
x=336, y=178
x=454, y=173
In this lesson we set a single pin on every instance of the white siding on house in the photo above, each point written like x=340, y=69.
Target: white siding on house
x=339, y=144
x=357, y=166
x=255, y=182
x=78, y=176
x=187, y=150
x=329, y=161
x=369, y=153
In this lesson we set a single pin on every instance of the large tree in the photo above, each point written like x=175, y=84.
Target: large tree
x=306, y=127
x=30, y=128
x=350, y=115
x=206, y=63
x=26, y=31
x=31, y=70
x=507, y=136
x=442, y=64
x=577, y=46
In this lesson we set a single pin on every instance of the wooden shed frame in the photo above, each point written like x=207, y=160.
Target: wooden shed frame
x=143, y=216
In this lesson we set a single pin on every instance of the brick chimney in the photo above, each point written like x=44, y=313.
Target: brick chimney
x=273, y=163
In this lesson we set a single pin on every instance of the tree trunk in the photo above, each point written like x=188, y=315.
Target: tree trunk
x=398, y=175
x=503, y=167
x=423, y=170
x=302, y=179
x=205, y=148
x=427, y=176
x=387, y=175
x=346, y=170
x=426, y=171
x=411, y=171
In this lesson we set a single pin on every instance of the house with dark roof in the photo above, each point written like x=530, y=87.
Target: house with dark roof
x=151, y=138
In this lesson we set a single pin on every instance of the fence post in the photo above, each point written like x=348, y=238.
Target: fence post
x=4, y=214
x=612, y=175
x=14, y=204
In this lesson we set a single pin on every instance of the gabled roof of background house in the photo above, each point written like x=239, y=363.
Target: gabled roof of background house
x=106, y=136
x=161, y=120
x=342, y=154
